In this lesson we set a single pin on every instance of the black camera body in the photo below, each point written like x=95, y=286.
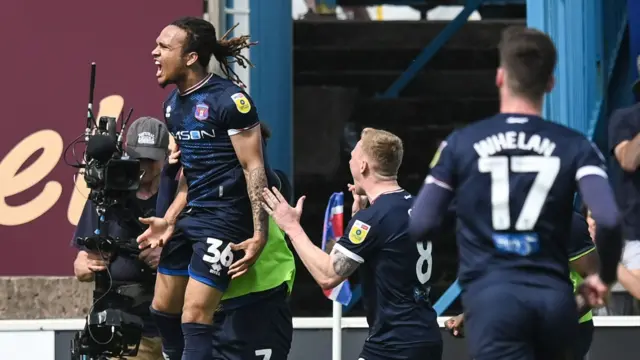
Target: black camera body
x=113, y=180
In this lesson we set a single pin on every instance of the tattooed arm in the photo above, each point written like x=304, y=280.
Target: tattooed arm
x=328, y=270
x=248, y=148
x=343, y=265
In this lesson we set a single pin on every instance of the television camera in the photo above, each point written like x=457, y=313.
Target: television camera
x=113, y=179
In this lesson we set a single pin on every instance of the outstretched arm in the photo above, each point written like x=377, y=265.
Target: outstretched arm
x=328, y=270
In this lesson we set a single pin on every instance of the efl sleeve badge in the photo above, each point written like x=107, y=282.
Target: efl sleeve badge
x=358, y=232
x=242, y=103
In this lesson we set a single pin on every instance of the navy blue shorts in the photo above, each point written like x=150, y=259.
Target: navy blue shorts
x=199, y=251
x=260, y=330
x=520, y=322
x=426, y=351
x=583, y=340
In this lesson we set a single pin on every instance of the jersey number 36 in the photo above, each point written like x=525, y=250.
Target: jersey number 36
x=215, y=257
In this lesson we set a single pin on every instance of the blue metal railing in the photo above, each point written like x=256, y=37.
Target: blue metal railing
x=431, y=49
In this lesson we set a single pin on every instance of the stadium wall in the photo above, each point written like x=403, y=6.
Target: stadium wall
x=614, y=338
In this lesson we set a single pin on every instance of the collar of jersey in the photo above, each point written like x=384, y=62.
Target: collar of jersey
x=197, y=86
x=387, y=193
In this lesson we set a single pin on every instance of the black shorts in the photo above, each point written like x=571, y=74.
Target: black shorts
x=260, y=330
x=199, y=251
x=426, y=351
x=520, y=322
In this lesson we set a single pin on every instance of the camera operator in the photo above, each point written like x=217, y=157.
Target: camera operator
x=148, y=141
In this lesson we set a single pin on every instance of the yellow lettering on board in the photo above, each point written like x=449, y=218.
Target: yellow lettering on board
x=14, y=182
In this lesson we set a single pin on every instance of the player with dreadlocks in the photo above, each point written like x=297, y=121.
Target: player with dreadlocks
x=205, y=230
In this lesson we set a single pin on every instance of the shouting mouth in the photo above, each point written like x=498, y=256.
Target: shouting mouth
x=159, y=69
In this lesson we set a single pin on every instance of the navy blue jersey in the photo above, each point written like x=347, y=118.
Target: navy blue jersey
x=202, y=121
x=514, y=178
x=394, y=270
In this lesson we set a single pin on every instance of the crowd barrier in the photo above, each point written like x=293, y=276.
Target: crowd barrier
x=615, y=338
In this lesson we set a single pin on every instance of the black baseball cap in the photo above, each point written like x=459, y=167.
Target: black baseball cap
x=147, y=138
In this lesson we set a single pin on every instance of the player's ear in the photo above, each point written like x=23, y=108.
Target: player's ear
x=500, y=77
x=551, y=83
x=192, y=57
x=364, y=166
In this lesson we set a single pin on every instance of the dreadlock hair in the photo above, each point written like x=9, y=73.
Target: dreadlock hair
x=265, y=131
x=202, y=39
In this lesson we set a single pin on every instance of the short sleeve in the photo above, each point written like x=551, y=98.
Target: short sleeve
x=580, y=242
x=359, y=239
x=590, y=161
x=443, y=171
x=237, y=111
x=623, y=126
x=87, y=224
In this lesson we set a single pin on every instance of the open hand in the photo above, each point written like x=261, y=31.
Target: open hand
x=279, y=209
x=157, y=234
x=252, y=249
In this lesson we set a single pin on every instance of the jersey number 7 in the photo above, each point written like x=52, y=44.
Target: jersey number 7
x=500, y=167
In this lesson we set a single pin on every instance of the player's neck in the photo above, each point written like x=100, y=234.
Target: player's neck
x=514, y=105
x=191, y=79
x=378, y=188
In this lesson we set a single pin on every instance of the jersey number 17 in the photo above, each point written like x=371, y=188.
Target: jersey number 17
x=500, y=167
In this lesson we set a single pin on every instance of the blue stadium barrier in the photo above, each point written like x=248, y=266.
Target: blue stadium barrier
x=430, y=50
x=272, y=77
x=447, y=298
x=588, y=35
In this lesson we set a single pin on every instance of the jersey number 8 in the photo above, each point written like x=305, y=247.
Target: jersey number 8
x=225, y=258
x=425, y=257
x=546, y=169
x=424, y=253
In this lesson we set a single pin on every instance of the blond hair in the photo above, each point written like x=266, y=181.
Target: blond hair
x=385, y=150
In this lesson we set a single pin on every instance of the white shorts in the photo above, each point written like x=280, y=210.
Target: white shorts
x=631, y=255
x=630, y=260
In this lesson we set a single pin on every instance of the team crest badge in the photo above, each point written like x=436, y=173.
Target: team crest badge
x=242, y=103
x=358, y=232
x=202, y=112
